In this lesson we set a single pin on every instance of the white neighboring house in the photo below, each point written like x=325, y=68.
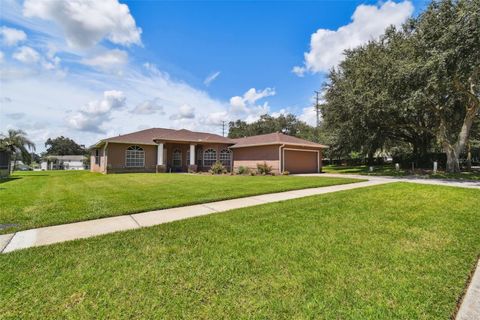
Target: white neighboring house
x=63, y=163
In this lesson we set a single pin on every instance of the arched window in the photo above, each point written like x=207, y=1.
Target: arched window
x=226, y=157
x=209, y=157
x=135, y=157
x=177, y=158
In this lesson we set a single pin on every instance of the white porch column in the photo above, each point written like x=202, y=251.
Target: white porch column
x=160, y=154
x=192, y=154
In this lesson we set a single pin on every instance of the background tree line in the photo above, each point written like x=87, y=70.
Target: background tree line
x=21, y=148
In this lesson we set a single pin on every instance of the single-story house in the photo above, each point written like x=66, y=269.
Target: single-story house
x=168, y=150
x=65, y=162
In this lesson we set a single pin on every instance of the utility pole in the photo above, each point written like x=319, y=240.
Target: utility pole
x=317, y=107
x=223, y=128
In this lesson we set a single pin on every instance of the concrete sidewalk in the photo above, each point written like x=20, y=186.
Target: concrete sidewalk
x=85, y=229
x=470, y=307
x=412, y=179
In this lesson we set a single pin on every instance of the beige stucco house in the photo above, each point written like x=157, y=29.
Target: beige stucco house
x=168, y=150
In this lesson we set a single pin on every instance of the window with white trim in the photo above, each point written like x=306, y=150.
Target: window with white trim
x=209, y=157
x=177, y=158
x=226, y=157
x=135, y=157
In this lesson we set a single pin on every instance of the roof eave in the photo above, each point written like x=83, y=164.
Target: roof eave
x=321, y=146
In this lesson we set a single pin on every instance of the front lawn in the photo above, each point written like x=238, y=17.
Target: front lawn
x=36, y=199
x=389, y=170
x=396, y=251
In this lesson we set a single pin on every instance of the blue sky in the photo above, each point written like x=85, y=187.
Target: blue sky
x=92, y=69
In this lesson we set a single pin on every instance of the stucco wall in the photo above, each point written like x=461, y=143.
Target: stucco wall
x=97, y=167
x=116, y=153
x=251, y=156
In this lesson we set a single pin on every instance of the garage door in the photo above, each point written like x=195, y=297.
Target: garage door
x=300, y=161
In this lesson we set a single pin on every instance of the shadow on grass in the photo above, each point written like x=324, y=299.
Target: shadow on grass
x=4, y=180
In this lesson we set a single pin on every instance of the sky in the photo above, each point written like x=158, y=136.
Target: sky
x=89, y=69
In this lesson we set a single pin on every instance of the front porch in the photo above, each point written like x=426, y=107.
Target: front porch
x=174, y=156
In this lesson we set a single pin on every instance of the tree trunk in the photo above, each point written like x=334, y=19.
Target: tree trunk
x=370, y=158
x=453, y=163
x=453, y=150
x=469, y=158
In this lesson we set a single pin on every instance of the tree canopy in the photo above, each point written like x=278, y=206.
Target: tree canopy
x=418, y=85
x=288, y=124
x=61, y=146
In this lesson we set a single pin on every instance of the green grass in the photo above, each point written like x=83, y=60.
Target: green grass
x=396, y=251
x=389, y=170
x=36, y=199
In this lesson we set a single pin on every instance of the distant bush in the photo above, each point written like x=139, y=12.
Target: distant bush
x=263, y=168
x=217, y=168
x=243, y=170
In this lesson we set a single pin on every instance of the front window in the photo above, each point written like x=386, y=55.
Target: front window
x=209, y=157
x=226, y=157
x=135, y=157
x=177, y=158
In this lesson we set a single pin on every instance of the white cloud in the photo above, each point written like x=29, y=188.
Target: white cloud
x=184, y=112
x=368, y=22
x=149, y=107
x=15, y=115
x=2, y=56
x=309, y=115
x=108, y=60
x=11, y=36
x=5, y=100
x=246, y=105
x=87, y=22
x=299, y=71
x=26, y=55
x=95, y=113
x=208, y=80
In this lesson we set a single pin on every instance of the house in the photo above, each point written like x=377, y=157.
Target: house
x=66, y=162
x=4, y=164
x=168, y=150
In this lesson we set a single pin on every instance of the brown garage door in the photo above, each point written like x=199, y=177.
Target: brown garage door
x=300, y=161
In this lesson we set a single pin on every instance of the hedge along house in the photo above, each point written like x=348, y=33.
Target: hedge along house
x=168, y=150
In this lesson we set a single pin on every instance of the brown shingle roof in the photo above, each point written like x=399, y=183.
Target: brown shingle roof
x=274, y=138
x=149, y=136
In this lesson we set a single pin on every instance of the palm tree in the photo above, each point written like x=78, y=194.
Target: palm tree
x=17, y=141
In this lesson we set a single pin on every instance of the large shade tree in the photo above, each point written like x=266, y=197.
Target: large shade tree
x=63, y=146
x=417, y=85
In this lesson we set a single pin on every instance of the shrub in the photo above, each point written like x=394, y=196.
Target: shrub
x=218, y=168
x=243, y=170
x=285, y=173
x=264, y=168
